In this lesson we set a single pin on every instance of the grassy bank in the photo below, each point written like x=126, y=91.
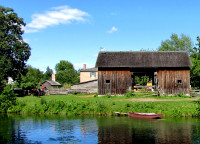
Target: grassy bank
x=79, y=104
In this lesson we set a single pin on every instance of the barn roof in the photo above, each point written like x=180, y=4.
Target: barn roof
x=143, y=59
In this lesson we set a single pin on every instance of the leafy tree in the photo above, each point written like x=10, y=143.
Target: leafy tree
x=63, y=66
x=14, y=52
x=47, y=74
x=32, y=79
x=195, y=69
x=65, y=73
x=175, y=43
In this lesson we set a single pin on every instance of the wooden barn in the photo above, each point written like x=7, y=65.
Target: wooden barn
x=169, y=71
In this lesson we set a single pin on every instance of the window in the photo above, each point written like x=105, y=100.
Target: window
x=107, y=81
x=92, y=74
x=179, y=81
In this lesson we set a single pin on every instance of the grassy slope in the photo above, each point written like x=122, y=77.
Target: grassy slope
x=75, y=104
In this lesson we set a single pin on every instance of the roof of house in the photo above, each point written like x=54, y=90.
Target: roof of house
x=90, y=70
x=143, y=59
x=53, y=83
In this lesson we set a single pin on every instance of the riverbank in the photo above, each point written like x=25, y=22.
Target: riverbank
x=107, y=105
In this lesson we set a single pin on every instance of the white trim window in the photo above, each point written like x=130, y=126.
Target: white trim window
x=92, y=74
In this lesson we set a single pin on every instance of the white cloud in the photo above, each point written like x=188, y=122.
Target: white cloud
x=80, y=65
x=57, y=15
x=113, y=29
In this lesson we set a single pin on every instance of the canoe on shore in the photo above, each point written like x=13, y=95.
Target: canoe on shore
x=145, y=115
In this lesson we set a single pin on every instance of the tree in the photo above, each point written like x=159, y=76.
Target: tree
x=63, y=66
x=32, y=79
x=65, y=73
x=14, y=52
x=47, y=74
x=195, y=69
x=184, y=43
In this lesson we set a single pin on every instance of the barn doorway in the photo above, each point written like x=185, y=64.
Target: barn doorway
x=144, y=81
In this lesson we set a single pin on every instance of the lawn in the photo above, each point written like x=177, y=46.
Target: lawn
x=82, y=104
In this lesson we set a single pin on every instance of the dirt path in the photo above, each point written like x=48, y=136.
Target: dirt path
x=157, y=100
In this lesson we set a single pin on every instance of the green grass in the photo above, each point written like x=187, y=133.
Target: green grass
x=106, y=105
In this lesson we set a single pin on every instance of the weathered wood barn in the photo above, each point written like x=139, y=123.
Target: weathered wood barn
x=169, y=71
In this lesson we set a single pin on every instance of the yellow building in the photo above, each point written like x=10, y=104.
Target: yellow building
x=88, y=74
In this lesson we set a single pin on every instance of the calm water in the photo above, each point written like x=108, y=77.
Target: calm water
x=38, y=129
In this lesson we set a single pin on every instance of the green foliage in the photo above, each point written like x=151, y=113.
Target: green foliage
x=63, y=66
x=32, y=79
x=142, y=80
x=7, y=99
x=65, y=73
x=195, y=69
x=129, y=94
x=75, y=105
x=175, y=43
x=95, y=95
x=14, y=52
x=47, y=74
x=180, y=95
x=66, y=86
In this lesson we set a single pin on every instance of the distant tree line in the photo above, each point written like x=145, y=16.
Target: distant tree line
x=65, y=74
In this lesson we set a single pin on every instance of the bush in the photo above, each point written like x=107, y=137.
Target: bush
x=129, y=94
x=95, y=95
x=7, y=99
x=108, y=96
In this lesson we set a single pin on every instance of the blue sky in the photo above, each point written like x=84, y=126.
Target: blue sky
x=74, y=30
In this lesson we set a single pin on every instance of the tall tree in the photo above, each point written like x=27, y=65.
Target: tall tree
x=175, y=43
x=195, y=69
x=65, y=73
x=48, y=73
x=14, y=51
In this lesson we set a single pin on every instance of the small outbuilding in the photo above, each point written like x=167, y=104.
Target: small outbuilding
x=50, y=84
x=169, y=71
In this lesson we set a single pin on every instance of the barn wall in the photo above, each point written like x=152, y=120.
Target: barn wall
x=169, y=82
x=120, y=82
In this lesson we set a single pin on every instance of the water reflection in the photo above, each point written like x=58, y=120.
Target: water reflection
x=123, y=130
x=35, y=129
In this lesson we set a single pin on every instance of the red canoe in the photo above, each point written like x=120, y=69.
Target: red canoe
x=145, y=115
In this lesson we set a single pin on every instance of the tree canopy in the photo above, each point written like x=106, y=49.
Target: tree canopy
x=14, y=51
x=175, y=43
x=32, y=79
x=195, y=69
x=65, y=73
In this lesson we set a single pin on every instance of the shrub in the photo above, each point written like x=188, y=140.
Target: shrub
x=95, y=95
x=108, y=96
x=7, y=99
x=129, y=94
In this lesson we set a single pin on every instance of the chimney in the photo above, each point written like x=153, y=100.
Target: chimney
x=53, y=77
x=84, y=66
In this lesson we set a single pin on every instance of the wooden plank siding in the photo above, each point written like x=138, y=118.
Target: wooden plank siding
x=173, y=82
x=114, y=81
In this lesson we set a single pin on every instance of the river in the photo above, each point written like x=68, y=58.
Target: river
x=53, y=129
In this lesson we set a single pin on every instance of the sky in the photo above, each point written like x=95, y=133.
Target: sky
x=76, y=30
